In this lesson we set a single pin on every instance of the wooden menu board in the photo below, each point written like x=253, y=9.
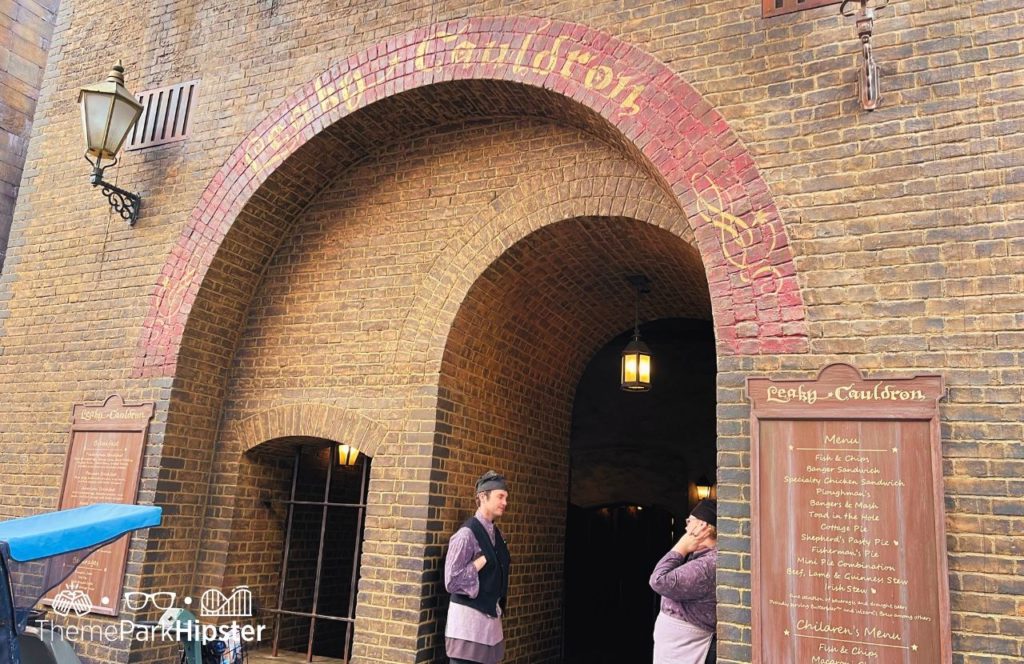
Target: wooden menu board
x=849, y=547
x=103, y=465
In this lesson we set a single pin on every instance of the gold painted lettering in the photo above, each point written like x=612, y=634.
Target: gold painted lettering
x=251, y=151
x=549, y=55
x=571, y=59
x=785, y=395
x=352, y=92
x=619, y=86
x=463, y=52
x=419, y=62
x=448, y=38
x=174, y=291
x=598, y=78
x=517, y=65
x=628, y=104
x=502, y=50
x=273, y=137
x=297, y=112
x=327, y=96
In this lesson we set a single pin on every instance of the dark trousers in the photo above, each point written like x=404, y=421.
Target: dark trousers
x=713, y=653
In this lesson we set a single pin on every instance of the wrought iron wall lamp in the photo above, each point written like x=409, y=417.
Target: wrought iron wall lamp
x=109, y=112
x=864, y=10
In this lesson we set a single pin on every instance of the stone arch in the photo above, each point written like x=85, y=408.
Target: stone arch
x=513, y=355
x=312, y=420
x=274, y=432
x=549, y=198
x=659, y=118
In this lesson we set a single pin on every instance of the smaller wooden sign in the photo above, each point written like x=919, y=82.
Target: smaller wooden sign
x=103, y=465
x=848, y=541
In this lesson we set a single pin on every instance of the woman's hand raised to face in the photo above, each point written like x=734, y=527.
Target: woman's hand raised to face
x=693, y=538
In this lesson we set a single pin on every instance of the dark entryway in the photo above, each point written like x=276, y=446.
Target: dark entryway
x=610, y=552
x=315, y=609
x=636, y=458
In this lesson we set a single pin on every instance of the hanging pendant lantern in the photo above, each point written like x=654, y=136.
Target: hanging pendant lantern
x=635, y=374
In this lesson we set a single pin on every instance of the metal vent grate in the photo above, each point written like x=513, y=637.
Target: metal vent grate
x=778, y=7
x=166, y=113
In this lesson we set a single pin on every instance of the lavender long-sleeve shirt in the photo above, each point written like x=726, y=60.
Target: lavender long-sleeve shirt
x=687, y=586
x=470, y=634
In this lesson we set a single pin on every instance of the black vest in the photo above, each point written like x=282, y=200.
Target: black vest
x=494, y=575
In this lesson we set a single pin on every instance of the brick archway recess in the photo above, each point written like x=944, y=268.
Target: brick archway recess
x=312, y=420
x=685, y=142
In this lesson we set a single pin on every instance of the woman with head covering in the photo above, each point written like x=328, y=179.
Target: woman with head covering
x=685, y=579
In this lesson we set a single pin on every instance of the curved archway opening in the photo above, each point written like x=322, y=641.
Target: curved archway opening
x=319, y=353
x=511, y=374
x=213, y=275
x=199, y=305
x=635, y=461
x=313, y=495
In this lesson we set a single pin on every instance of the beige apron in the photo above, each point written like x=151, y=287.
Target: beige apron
x=678, y=642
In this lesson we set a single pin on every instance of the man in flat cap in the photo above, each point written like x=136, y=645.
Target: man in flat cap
x=476, y=574
x=685, y=579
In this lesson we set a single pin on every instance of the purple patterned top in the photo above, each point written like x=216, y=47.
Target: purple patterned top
x=687, y=586
x=469, y=630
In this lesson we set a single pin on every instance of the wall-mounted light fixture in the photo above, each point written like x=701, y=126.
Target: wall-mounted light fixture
x=347, y=455
x=868, y=82
x=108, y=113
x=635, y=375
x=703, y=486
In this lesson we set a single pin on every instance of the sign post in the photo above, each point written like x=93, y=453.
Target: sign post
x=849, y=547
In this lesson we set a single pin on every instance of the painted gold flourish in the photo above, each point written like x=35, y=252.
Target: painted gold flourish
x=739, y=238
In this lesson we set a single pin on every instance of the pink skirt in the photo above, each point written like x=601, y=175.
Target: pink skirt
x=678, y=642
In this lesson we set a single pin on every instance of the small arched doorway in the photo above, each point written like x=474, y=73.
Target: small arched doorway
x=316, y=490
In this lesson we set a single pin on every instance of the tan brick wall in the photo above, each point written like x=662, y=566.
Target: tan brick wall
x=332, y=335
x=905, y=227
x=26, y=27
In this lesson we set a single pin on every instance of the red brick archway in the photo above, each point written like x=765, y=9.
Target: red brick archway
x=686, y=143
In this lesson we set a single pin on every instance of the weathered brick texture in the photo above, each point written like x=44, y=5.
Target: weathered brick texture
x=26, y=27
x=383, y=232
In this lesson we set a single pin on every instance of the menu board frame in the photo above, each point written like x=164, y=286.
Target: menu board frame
x=130, y=423
x=841, y=392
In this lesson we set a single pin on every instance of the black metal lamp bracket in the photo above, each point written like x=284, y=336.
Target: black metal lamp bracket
x=123, y=202
x=868, y=77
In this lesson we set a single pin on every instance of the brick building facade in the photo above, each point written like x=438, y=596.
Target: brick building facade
x=405, y=227
x=25, y=30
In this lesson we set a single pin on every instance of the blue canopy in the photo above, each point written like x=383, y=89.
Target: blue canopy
x=54, y=533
